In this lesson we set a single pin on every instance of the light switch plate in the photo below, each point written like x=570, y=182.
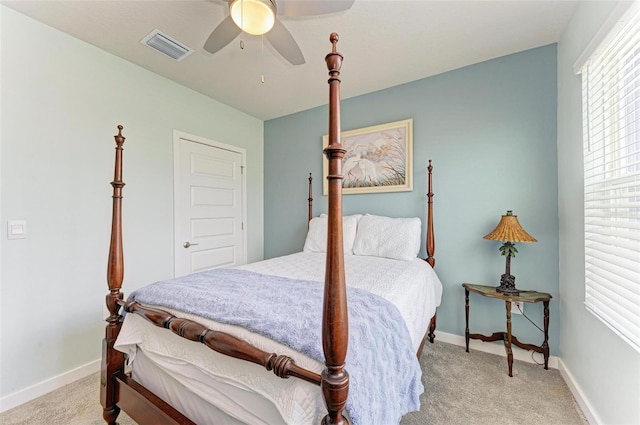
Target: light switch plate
x=16, y=229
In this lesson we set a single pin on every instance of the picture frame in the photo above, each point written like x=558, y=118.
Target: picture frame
x=377, y=159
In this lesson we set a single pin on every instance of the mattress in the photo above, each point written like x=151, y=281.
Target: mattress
x=246, y=392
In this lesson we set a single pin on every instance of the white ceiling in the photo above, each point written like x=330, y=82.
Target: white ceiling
x=384, y=43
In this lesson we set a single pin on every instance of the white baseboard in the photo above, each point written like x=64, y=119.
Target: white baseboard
x=488, y=347
x=20, y=397
x=578, y=394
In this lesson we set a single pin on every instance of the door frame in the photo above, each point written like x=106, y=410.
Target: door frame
x=177, y=136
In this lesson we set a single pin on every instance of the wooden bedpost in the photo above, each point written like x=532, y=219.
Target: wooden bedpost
x=431, y=243
x=431, y=248
x=113, y=360
x=335, y=327
x=310, y=198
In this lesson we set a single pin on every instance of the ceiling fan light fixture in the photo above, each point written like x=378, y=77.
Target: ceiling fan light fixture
x=255, y=17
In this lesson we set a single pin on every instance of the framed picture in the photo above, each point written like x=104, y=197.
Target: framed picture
x=378, y=159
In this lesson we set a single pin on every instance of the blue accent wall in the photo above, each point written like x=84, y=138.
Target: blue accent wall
x=490, y=130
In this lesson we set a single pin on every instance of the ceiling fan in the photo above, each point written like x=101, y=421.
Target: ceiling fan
x=258, y=17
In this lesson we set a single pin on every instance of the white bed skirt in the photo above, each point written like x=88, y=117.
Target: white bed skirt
x=175, y=382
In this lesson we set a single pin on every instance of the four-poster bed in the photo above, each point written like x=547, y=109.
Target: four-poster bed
x=166, y=366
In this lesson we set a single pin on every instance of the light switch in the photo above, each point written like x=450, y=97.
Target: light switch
x=16, y=229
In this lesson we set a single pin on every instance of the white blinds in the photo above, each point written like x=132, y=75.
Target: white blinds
x=611, y=115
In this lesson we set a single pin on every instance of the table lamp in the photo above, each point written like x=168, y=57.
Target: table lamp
x=509, y=231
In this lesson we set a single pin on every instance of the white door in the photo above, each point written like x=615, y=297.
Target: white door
x=209, y=204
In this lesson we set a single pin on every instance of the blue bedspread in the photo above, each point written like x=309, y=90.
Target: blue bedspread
x=385, y=374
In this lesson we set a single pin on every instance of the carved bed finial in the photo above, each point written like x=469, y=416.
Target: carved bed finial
x=333, y=38
x=119, y=137
x=334, y=62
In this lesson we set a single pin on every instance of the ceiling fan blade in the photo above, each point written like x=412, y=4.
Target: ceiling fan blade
x=282, y=40
x=312, y=7
x=224, y=33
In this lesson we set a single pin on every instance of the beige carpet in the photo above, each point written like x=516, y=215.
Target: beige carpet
x=460, y=388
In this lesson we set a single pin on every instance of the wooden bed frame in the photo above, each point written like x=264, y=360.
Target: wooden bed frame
x=119, y=391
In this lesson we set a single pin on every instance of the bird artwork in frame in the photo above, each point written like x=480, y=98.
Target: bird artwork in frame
x=377, y=159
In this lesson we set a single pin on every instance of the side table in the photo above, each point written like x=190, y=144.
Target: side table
x=507, y=337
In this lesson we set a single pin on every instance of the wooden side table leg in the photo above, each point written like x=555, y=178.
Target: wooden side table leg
x=507, y=341
x=466, y=314
x=545, y=344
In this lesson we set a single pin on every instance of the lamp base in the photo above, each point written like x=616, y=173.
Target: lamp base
x=508, y=285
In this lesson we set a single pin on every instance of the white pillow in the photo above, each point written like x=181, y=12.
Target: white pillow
x=317, y=235
x=397, y=238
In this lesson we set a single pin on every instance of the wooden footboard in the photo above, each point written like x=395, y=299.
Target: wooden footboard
x=282, y=366
x=143, y=406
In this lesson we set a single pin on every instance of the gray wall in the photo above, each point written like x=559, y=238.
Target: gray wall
x=61, y=102
x=490, y=130
x=604, y=368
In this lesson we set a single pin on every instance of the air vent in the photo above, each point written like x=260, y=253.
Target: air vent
x=164, y=44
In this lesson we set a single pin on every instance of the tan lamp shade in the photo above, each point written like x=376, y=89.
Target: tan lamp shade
x=509, y=230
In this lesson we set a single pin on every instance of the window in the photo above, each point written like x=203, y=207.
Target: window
x=611, y=116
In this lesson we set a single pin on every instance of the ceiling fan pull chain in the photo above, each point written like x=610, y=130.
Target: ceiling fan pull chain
x=262, y=58
x=242, y=23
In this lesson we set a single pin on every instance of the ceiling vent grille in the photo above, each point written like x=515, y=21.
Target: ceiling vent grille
x=167, y=45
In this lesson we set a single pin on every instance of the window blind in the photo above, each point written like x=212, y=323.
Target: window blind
x=611, y=125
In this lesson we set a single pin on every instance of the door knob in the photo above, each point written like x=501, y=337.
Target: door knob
x=188, y=244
